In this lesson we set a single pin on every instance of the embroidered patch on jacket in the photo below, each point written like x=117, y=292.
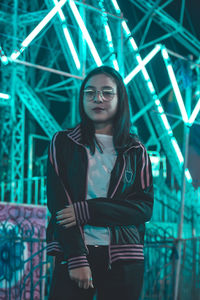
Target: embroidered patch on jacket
x=128, y=176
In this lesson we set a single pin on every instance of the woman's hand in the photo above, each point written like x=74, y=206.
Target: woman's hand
x=82, y=276
x=66, y=217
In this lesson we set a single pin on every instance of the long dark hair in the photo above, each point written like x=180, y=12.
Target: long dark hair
x=121, y=121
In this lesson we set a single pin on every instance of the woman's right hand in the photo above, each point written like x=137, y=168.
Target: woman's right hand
x=82, y=277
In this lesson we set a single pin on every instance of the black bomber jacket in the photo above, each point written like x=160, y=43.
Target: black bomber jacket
x=124, y=211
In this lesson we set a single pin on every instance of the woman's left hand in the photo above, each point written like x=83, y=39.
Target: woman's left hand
x=66, y=217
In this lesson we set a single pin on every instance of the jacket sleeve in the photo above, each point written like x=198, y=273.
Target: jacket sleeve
x=135, y=209
x=70, y=239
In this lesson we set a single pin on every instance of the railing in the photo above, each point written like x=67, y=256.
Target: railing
x=26, y=271
x=34, y=191
x=166, y=208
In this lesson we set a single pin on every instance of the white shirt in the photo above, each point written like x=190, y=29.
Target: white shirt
x=99, y=169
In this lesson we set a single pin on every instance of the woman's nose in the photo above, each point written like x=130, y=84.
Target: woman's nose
x=98, y=97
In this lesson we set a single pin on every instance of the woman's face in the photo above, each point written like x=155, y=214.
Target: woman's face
x=101, y=106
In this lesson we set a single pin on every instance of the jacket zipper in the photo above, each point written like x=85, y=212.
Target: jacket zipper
x=109, y=254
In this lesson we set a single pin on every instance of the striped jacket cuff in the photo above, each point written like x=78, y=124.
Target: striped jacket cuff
x=81, y=212
x=77, y=262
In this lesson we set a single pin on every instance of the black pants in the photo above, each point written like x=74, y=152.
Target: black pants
x=122, y=282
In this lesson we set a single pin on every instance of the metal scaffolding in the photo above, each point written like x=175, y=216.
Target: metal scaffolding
x=42, y=72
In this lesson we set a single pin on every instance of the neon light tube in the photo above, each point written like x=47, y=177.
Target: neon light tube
x=110, y=43
x=61, y=15
x=68, y=37
x=114, y=2
x=175, y=85
x=3, y=57
x=194, y=113
x=4, y=96
x=71, y=47
x=43, y=23
x=128, y=33
x=177, y=149
x=38, y=28
x=142, y=64
x=85, y=33
x=188, y=176
x=153, y=92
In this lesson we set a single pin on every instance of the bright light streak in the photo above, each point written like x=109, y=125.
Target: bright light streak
x=175, y=85
x=68, y=37
x=71, y=46
x=177, y=149
x=128, y=33
x=116, y=66
x=3, y=57
x=38, y=28
x=108, y=33
x=143, y=62
x=157, y=101
x=114, y=2
x=85, y=33
x=62, y=16
x=188, y=175
x=194, y=113
x=43, y=23
x=4, y=96
x=16, y=54
x=110, y=43
x=126, y=29
x=132, y=41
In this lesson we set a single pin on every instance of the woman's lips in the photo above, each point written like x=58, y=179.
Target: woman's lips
x=98, y=109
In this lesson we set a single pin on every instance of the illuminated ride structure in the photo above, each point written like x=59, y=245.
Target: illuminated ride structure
x=46, y=48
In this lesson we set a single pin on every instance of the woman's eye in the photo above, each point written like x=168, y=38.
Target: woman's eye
x=107, y=94
x=89, y=93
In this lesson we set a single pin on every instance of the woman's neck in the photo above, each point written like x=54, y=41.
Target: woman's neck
x=104, y=129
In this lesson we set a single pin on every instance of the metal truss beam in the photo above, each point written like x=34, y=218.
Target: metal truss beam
x=169, y=24
x=32, y=17
x=5, y=102
x=37, y=108
x=6, y=18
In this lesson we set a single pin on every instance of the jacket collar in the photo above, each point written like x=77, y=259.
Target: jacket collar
x=76, y=136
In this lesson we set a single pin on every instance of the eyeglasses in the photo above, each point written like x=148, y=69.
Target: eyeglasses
x=106, y=94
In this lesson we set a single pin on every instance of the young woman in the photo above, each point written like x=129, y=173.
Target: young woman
x=100, y=194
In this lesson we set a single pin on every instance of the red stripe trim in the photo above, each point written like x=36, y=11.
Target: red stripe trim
x=143, y=165
x=128, y=250
x=77, y=258
x=127, y=257
x=147, y=169
x=54, y=153
x=127, y=245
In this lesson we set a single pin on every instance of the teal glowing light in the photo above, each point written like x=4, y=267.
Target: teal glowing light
x=194, y=113
x=110, y=43
x=108, y=33
x=175, y=85
x=4, y=96
x=136, y=70
x=128, y=34
x=188, y=176
x=85, y=33
x=155, y=97
x=177, y=149
x=68, y=37
x=3, y=57
x=71, y=47
x=114, y=2
x=38, y=28
x=60, y=12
